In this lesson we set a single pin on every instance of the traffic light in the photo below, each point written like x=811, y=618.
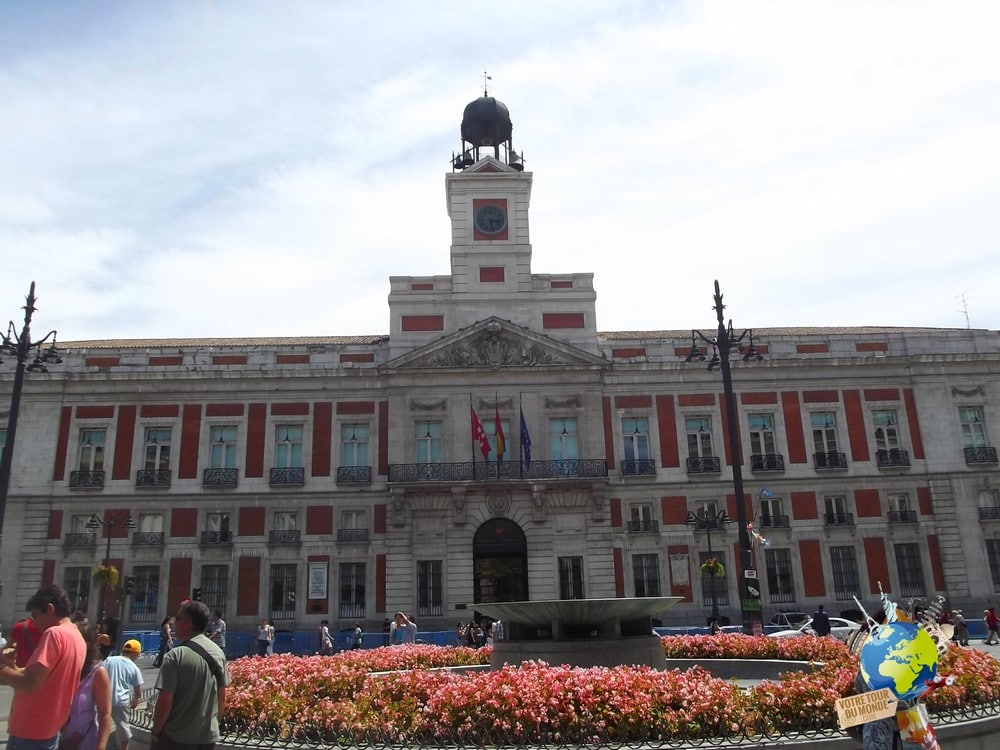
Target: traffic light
x=196, y=593
x=129, y=585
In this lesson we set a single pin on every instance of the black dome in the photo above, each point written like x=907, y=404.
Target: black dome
x=486, y=122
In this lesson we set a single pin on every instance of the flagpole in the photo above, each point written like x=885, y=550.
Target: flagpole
x=472, y=437
x=496, y=410
x=520, y=436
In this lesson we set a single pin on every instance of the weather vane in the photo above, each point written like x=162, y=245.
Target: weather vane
x=486, y=91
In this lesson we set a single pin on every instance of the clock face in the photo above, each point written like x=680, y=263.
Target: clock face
x=491, y=219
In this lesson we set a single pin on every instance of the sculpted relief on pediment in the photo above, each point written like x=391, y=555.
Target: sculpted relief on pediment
x=492, y=348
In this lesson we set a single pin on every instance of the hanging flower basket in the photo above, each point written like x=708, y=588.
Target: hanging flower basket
x=712, y=567
x=106, y=575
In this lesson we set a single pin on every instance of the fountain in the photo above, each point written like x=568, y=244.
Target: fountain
x=579, y=632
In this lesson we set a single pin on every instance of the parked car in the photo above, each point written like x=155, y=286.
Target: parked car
x=788, y=619
x=839, y=628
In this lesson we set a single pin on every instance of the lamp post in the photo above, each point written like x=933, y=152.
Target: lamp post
x=703, y=520
x=723, y=344
x=96, y=522
x=19, y=345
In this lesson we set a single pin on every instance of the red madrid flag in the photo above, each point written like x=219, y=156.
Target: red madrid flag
x=479, y=435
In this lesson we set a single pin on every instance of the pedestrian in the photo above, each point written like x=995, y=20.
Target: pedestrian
x=219, y=630
x=961, y=628
x=358, y=637
x=324, y=642
x=110, y=628
x=265, y=636
x=821, y=622
x=403, y=630
x=89, y=724
x=126, y=688
x=24, y=636
x=45, y=687
x=166, y=640
x=992, y=622
x=191, y=686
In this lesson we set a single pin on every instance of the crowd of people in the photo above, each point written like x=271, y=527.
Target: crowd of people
x=478, y=634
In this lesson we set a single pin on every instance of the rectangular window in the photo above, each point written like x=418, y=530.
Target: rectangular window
x=217, y=522
x=157, y=448
x=92, y=449
x=899, y=501
x=973, y=430
x=3, y=442
x=77, y=587
x=635, y=435
x=646, y=572
x=911, y=572
x=352, y=591
x=214, y=586
x=838, y=512
x=428, y=436
x=993, y=555
x=150, y=523
x=146, y=593
x=222, y=454
x=285, y=520
x=354, y=444
x=78, y=525
x=490, y=428
x=710, y=584
x=780, y=585
x=288, y=446
x=824, y=431
x=571, y=578
x=886, y=433
x=641, y=512
x=844, y=563
x=282, y=599
x=762, y=434
x=429, y=597
x=699, y=436
x=772, y=512
x=563, y=439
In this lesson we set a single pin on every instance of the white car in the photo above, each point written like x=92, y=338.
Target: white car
x=839, y=628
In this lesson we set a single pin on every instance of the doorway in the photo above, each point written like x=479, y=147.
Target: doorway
x=500, y=562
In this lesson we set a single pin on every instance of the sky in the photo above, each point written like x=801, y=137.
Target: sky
x=227, y=169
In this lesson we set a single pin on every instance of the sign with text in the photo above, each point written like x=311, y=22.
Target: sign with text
x=866, y=707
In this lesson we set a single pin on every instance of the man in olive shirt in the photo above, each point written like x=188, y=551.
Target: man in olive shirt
x=192, y=686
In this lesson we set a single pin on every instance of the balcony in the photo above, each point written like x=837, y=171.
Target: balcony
x=87, y=539
x=285, y=536
x=349, y=611
x=153, y=478
x=639, y=467
x=86, y=480
x=703, y=465
x=354, y=475
x=288, y=476
x=838, y=519
x=989, y=513
x=775, y=522
x=646, y=526
x=767, y=462
x=831, y=460
x=902, y=516
x=219, y=478
x=216, y=538
x=892, y=458
x=981, y=455
x=352, y=535
x=147, y=538
x=567, y=468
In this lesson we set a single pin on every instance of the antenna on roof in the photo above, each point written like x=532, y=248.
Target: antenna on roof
x=965, y=308
x=486, y=78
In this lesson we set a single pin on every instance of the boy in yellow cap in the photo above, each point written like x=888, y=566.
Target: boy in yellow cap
x=126, y=686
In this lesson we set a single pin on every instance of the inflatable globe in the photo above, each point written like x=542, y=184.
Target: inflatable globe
x=901, y=656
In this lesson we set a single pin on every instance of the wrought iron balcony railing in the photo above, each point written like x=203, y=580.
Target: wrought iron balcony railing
x=288, y=475
x=216, y=537
x=710, y=524
x=838, y=519
x=153, y=478
x=285, y=536
x=568, y=468
x=219, y=478
x=989, y=513
x=894, y=457
x=352, y=535
x=902, y=516
x=86, y=480
x=775, y=522
x=87, y=539
x=781, y=597
x=703, y=465
x=354, y=475
x=767, y=462
x=639, y=467
x=434, y=609
x=147, y=538
x=982, y=455
x=831, y=460
x=349, y=611
x=647, y=526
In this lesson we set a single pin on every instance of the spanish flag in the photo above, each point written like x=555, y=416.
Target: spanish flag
x=501, y=442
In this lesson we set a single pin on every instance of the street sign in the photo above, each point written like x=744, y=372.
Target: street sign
x=751, y=605
x=751, y=573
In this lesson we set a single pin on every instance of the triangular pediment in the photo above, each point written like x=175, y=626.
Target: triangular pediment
x=492, y=344
x=490, y=164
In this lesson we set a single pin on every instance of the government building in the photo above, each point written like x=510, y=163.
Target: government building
x=495, y=446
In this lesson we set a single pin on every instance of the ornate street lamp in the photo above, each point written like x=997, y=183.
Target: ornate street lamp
x=96, y=522
x=19, y=346
x=705, y=521
x=724, y=343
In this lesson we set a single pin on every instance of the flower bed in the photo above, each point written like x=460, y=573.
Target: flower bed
x=337, y=696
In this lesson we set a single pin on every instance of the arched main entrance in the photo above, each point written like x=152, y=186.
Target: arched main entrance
x=500, y=562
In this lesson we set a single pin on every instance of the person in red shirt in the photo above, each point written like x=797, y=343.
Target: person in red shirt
x=44, y=688
x=24, y=637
